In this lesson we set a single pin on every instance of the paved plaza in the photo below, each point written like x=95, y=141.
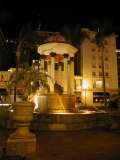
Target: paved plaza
x=77, y=145
x=82, y=145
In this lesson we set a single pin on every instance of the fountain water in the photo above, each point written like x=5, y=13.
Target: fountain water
x=54, y=103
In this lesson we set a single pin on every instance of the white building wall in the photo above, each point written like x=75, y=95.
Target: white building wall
x=91, y=61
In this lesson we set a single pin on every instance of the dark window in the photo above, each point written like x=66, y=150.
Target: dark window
x=56, y=66
x=93, y=66
x=62, y=66
x=100, y=74
x=45, y=65
x=106, y=58
x=78, y=99
x=106, y=74
x=98, y=97
x=93, y=49
x=93, y=73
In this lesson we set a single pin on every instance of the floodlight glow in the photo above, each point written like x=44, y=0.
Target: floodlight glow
x=85, y=84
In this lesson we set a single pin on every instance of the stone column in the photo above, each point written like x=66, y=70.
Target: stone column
x=60, y=73
x=72, y=75
x=56, y=71
x=49, y=72
x=69, y=76
x=42, y=62
x=49, y=67
x=65, y=74
x=52, y=70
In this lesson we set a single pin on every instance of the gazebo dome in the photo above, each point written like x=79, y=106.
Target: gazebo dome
x=58, y=44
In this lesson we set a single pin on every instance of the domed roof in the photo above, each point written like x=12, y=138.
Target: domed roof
x=58, y=44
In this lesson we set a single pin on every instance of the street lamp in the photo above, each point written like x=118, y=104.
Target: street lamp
x=85, y=86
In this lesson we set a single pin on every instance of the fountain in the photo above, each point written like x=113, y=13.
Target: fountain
x=57, y=59
x=60, y=70
x=54, y=103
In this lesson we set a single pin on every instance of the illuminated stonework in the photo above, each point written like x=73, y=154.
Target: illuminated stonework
x=91, y=69
x=57, y=60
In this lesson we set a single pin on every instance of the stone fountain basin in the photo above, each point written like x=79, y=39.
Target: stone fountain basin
x=70, y=121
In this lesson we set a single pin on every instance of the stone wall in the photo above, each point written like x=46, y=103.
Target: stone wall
x=71, y=122
x=67, y=122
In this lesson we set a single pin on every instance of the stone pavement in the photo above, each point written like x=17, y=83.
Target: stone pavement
x=81, y=145
x=77, y=145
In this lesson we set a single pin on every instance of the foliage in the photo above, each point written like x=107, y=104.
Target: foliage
x=27, y=81
x=113, y=105
x=104, y=29
x=28, y=41
x=74, y=34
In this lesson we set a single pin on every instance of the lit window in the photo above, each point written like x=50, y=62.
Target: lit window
x=78, y=84
x=85, y=84
x=99, y=84
x=107, y=85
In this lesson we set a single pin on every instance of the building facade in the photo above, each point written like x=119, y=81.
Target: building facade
x=118, y=67
x=93, y=59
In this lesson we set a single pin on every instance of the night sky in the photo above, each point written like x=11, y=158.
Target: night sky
x=14, y=16
x=52, y=19
x=12, y=20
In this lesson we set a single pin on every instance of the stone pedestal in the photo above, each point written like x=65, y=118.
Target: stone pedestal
x=22, y=142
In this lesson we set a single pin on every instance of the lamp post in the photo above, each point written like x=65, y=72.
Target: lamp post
x=85, y=87
x=85, y=97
